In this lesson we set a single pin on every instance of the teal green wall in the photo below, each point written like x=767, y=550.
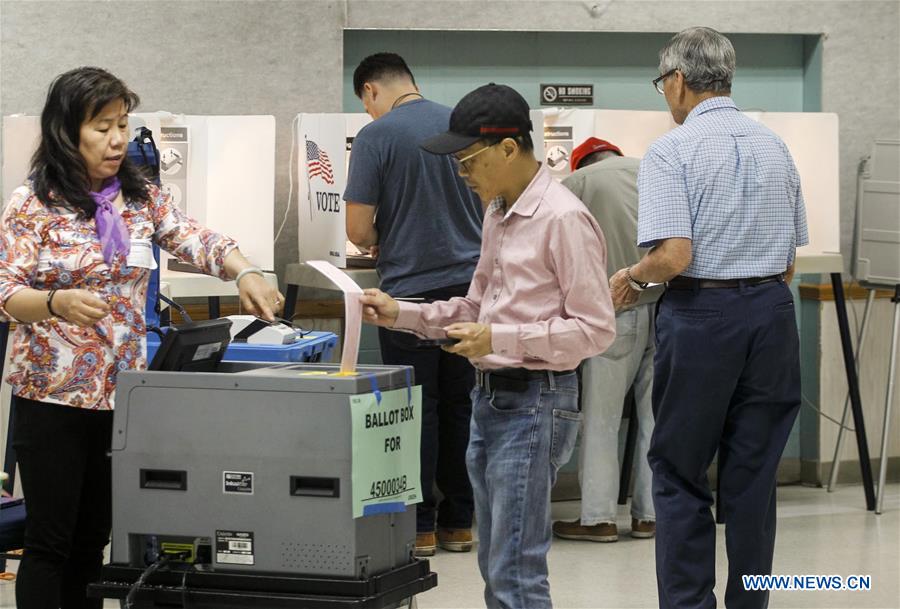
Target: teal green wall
x=810, y=329
x=776, y=72
x=812, y=73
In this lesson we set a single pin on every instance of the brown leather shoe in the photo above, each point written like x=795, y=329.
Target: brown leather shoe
x=602, y=532
x=455, y=540
x=643, y=529
x=425, y=544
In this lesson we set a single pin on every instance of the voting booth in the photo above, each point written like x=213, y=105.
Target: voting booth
x=260, y=478
x=324, y=143
x=811, y=138
x=220, y=170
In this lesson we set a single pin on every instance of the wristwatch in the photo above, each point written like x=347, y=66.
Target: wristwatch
x=637, y=286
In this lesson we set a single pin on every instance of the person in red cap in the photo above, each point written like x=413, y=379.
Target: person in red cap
x=590, y=151
x=606, y=182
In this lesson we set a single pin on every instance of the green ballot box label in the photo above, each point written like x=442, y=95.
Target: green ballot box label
x=386, y=435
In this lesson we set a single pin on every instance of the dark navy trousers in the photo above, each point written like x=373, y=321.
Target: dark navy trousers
x=447, y=381
x=727, y=378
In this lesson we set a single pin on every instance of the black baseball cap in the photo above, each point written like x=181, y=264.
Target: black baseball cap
x=490, y=111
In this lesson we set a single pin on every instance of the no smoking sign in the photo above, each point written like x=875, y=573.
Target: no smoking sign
x=567, y=95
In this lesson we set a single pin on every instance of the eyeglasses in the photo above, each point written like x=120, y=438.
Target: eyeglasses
x=658, y=81
x=463, y=163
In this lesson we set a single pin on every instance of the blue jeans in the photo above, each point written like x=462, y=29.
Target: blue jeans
x=606, y=379
x=517, y=443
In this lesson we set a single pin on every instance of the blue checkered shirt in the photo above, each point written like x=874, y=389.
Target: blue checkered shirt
x=729, y=185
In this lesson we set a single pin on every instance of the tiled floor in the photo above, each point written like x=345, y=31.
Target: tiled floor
x=818, y=534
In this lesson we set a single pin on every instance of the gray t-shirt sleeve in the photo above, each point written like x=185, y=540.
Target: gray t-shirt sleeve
x=364, y=175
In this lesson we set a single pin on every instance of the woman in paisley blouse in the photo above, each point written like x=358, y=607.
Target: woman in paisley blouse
x=75, y=258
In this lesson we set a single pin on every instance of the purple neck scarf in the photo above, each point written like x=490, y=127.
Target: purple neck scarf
x=111, y=229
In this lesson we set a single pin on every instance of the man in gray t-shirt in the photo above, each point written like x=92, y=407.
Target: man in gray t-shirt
x=606, y=182
x=426, y=225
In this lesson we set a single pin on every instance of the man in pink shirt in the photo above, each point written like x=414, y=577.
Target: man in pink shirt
x=538, y=305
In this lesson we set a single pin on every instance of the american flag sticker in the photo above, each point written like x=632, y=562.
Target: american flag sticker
x=318, y=163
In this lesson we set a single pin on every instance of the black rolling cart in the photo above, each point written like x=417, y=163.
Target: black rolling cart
x=184, y=586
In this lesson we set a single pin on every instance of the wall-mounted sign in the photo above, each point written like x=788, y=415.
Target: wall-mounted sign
x=174, y=159
x=558, y=148
x=567, y=95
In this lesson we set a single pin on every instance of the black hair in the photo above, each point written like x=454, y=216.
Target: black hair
x=58, y=171
x=524, y=141
x=379, y=66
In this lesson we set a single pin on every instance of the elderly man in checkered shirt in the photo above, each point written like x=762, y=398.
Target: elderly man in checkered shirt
x=721, y=207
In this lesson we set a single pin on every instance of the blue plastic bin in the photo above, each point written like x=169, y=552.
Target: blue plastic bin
x=313, y=347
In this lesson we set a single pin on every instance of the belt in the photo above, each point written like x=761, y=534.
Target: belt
x=681, y=282
x=514, y=379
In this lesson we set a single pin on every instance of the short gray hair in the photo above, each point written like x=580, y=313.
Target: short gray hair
x=704, y=56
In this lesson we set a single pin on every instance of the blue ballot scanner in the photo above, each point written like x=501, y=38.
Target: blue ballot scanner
x=312, y=347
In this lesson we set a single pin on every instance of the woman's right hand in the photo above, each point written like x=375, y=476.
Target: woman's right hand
x=79, y=307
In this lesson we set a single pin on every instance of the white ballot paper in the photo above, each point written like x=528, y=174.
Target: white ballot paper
x=352, y=312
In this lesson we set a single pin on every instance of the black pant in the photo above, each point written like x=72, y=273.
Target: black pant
x=64, y=462
x=727, y=378
x=446, y=380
